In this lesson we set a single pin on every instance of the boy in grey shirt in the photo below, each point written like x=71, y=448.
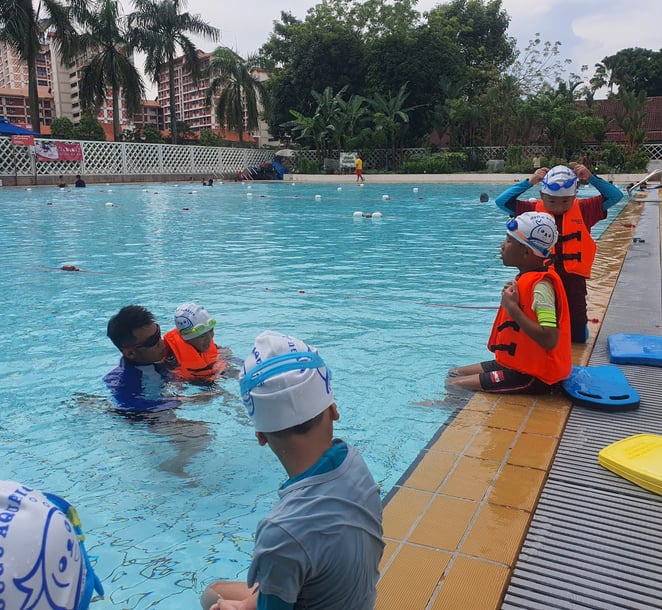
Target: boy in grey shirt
x=320, y=546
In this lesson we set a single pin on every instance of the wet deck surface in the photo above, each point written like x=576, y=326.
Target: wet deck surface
x=455, y=527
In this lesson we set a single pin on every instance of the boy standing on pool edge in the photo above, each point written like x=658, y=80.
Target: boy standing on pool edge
x=575, y=250
x=530, y=336
x=321, y=544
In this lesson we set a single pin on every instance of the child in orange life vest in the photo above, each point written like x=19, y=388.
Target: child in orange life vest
x=530, y=337
x=575, y=251
x=190, y=347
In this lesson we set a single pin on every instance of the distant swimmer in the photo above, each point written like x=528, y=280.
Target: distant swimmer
x=484, y=197
x=70, y=268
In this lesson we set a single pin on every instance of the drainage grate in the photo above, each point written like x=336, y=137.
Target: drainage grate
x=595, y=540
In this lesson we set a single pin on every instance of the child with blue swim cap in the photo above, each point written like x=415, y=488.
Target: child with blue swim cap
x=43, y=561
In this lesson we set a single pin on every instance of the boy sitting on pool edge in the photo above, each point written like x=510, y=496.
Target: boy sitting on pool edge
x=531, y=333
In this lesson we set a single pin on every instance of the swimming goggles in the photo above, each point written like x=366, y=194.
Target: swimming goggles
x=199, y=329
x=293, y=361
x=92, y=582
x=512, y=226
x=555, y=186
x=151, y=341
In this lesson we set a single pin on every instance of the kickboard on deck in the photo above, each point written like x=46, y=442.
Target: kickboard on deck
x=635, y=349
x=636, y=458
x=604, y=388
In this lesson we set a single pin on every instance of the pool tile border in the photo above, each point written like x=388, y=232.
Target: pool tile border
x=455, y=522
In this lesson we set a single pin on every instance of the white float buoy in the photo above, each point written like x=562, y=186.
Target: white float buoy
x=415, y=189
x=249, y=186
x=358, y=214
x=376, y=214
x=110, y=204
x=385, y=197
x=318, y=197
x=28, y=189
x=339, y=188
x=249, y=194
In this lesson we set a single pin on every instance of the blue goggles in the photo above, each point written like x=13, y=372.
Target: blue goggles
x=292, y=361
x=92, y=582
x=513, y=227
x=555, y=186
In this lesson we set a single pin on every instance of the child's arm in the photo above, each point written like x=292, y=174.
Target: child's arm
x=610, y=194
x=507, y=201
x=544, y=331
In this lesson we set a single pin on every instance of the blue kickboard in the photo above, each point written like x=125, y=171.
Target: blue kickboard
x=635, y=349
x=601, y=387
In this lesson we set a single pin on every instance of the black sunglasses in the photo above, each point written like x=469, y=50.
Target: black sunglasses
x=151, y=341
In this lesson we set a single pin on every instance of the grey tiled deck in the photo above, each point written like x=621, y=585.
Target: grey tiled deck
x=595, y=540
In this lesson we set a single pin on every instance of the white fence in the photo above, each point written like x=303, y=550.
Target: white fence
x=131, y=160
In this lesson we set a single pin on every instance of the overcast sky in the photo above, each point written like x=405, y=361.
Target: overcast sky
x=588, y=29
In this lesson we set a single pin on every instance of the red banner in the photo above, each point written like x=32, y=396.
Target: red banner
x=22, y=140
x=59, y=151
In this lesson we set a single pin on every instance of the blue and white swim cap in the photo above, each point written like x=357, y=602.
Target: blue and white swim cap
x=284, y=382
x=44, y=562
x=560, y=181
x=537, y=230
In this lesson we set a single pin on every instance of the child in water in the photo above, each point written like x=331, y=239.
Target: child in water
x=190, y=349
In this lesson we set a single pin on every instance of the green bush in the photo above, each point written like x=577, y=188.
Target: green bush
x=307, y=166
x=435, y=163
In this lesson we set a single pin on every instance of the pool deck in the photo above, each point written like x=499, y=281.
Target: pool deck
x=454, y=528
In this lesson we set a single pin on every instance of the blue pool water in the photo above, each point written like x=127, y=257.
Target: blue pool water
x=170, y=505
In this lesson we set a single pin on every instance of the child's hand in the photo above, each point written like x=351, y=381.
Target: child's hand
x=538, y=175
x=581, y=171
x=510, y=297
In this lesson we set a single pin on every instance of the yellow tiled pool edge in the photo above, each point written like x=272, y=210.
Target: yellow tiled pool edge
x=454, y=528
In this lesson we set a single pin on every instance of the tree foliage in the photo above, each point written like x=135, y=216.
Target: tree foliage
x=633, y=69
x=161, y=31
x=237, y=89
x=105, y=40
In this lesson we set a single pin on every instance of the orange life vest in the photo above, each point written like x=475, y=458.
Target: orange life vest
x=575, y=248
x=514, y=349
x=191, y=364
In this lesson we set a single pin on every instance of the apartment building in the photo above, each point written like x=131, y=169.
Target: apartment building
x=59, y=94
x=190, y=102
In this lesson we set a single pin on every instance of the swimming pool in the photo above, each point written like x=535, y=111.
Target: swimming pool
x=170, y=505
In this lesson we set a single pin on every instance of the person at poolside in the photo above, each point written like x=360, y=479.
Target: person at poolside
x=80, y=183
x=138, y=383
x=575, y=251
x=530, y=336
x=43, y=561
x=321, y=544
x=61, y=184
x=191, y=353
x=358, y=168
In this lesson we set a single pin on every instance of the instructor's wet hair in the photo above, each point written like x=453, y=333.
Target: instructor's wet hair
x=123, y=323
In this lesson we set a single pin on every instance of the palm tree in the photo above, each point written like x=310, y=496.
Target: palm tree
x=237, y=86
x=391, y=117
x=159, y=29
x=105, y=36
x=23, y=27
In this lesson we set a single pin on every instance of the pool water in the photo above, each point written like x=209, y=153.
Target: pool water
x=170, y=504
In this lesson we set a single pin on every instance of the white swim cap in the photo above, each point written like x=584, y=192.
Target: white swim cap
x=192, y=320
x=44, y=563
x=536, y=230
x=560, y=181
x=284, y=383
